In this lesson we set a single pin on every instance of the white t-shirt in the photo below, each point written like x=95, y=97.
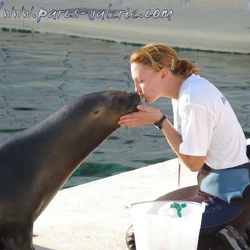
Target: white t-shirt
x=208, y=125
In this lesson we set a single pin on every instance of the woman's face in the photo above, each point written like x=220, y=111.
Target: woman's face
x=147, y=81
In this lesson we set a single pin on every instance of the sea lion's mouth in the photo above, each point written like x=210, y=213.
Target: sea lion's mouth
x=136, y=101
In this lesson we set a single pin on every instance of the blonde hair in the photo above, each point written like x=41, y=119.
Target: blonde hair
x=158, y=56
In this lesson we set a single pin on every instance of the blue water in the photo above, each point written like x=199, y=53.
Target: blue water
x=41, y=72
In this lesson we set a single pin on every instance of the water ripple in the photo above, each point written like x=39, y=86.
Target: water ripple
x=40, y=72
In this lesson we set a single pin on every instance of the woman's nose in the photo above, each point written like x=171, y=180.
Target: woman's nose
x=137, y=88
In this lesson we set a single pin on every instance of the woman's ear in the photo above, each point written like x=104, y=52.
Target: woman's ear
x=164, y=73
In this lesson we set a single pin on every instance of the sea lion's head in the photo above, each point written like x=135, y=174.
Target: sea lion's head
x=111, y=105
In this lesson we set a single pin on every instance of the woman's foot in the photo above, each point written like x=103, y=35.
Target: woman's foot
x=232, y=239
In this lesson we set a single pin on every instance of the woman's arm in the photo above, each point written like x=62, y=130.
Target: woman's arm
x=149, y=115
x=194, y=163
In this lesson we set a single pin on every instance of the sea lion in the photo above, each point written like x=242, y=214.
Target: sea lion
x=35, y=163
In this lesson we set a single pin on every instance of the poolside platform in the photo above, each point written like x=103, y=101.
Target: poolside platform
x=96, y=215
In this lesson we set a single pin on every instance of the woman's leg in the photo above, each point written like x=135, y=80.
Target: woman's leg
x=219, y=214
x=187, y=194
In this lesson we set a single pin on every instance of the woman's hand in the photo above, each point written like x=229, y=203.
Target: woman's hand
x=145, y=115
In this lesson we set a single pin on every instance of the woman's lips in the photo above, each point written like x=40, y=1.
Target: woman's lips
x=142, y=96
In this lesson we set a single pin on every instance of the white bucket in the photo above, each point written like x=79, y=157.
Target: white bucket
x=167, y=225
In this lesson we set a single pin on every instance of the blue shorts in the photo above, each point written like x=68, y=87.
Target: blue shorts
x=219, y=212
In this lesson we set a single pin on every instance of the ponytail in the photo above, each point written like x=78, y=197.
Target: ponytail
x=185, y=68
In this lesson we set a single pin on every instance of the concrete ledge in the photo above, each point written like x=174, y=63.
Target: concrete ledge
x=209, y=26
x=96, y=215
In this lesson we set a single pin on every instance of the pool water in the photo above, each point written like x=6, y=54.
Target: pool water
x=41, y=72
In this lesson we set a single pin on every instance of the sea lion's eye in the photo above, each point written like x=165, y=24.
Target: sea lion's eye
x=96, y=112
